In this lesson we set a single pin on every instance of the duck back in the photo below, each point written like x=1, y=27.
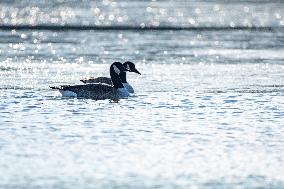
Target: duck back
x=105, y=80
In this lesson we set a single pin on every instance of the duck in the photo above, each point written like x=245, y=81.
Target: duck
x=98, y=91
x=129, y=65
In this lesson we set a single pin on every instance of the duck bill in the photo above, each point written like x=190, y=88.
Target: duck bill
x=136, y=71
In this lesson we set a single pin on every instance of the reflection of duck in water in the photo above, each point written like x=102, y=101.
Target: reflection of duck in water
x=128, y=65
x=98, y=91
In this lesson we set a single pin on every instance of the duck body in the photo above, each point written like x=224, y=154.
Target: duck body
x=92, y=91
x=128, y=87
x=98, y=91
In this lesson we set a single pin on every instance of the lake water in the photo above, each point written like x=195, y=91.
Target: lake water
x=208, y=111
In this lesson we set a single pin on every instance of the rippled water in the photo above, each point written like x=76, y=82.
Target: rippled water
x=185, y=13
x=208, y=110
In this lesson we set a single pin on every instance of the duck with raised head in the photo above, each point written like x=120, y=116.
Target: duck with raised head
x=98, y=91
x=128, y=65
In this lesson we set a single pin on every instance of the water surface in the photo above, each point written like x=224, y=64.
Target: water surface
x=208, y=110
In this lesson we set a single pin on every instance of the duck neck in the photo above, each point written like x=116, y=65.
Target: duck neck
x=122, y=76
x=116, y=80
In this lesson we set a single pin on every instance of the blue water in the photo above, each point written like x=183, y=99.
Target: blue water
x=208, y=110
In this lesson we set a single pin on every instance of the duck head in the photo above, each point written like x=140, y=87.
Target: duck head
x=131, y=67
x=116, y=69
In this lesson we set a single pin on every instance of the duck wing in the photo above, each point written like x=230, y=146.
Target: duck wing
x=105, y=80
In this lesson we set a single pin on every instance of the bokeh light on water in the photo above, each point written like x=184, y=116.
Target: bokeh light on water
x=143, y=13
